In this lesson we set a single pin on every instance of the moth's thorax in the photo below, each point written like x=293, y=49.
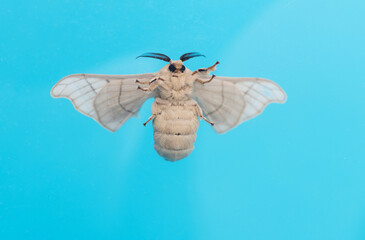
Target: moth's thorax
x=175, y=86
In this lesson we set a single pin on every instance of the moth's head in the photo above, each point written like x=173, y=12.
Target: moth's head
x=174, y=66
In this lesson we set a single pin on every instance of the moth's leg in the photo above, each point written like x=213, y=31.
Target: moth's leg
x=207, y=70
x=141, y=82
x=154, y=110
x=150, y=88
x=149, y=119
x=149, y=81
x=213, y=67
x=203, y=82
x=200, y=112
x=156, y=79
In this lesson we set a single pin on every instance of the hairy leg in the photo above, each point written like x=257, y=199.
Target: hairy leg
x=200, y=113
x=149, y=81
x=150, y=88
x=207, y=70
x=149, y=119
x=203, y=82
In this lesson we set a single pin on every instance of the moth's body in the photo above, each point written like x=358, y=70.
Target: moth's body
x=175, y=114
x=181, y=98
x=175, y=125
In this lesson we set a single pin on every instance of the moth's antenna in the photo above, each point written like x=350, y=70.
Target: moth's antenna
x=160, y=56
x=187, y=56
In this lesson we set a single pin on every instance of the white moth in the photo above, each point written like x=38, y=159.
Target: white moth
x=181, y=97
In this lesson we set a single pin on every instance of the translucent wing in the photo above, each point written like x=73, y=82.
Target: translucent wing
x=118, y=101
x=89, y=95
x=228, y=101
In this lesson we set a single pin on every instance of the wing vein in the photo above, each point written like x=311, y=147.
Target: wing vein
x=91, y=86
x=120, y=93
x=220, y=106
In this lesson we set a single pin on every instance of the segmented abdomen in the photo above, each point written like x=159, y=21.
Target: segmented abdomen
x=175, y=129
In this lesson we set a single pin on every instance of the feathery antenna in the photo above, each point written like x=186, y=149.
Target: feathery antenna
x=187, y=56
x=160, y=56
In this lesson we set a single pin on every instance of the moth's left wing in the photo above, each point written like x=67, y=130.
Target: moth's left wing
x=108, y=99
x=228, y=101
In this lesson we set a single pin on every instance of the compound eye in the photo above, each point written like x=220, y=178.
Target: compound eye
x=172, y=68
x=182, y=69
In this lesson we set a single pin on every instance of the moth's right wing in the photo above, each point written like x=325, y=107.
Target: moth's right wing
x=108, y=99
x=229, y=101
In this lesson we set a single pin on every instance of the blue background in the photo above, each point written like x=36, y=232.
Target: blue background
x=295, y=172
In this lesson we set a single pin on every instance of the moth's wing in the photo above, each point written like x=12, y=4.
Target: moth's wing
x=118, y=101
x=83, y=89
x=228, y=101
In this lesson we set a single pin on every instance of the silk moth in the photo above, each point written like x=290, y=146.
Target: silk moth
x=181, y=97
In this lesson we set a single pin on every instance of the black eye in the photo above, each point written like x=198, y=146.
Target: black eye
x=172, y=68
x=182, y=69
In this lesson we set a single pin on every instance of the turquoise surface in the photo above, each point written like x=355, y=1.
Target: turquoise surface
x=295, y=172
